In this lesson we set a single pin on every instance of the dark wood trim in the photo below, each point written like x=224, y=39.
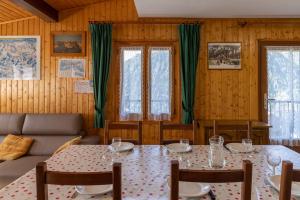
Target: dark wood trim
x=262, y=72
x=286, y=180
x=243, y=175
x=39, y=8
x=152, y=21
x=123, y=126
x=45, y=177
x=175, y=126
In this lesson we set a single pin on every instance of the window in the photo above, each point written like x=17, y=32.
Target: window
x=145, y=83
x=131, y=83
x=283, y=68
x=160, y=83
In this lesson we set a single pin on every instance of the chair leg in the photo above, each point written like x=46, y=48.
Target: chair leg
x=286, y=180
x=174, y=180
x=247, y=184
x=41, y=187
x=117, y=181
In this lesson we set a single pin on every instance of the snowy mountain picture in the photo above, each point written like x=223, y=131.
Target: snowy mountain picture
x=19, y=57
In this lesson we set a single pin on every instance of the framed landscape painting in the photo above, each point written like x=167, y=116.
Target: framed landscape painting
x=20, y=57
x=84, y=86
x=224, y=55
x=68, y=43
x=71, y=68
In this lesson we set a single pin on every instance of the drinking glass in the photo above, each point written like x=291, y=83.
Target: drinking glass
x=116, y=143
x=185, y=142
x=247, y=143
x=273, y=160
x=215, y=154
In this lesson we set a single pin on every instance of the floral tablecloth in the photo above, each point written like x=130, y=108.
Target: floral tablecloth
x=145, y=170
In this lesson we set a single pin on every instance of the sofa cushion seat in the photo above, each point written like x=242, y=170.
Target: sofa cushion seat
x=13, y=169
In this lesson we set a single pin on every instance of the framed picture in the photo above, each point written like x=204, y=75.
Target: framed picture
x=20, y=57
x=71, y=68
x=224, y=55
x=84, y=86
x=68, y=43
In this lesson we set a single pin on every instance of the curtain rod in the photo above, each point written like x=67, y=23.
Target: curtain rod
x=146, y=22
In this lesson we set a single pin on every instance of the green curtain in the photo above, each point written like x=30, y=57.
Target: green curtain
x=101, y=36
x=189, y=39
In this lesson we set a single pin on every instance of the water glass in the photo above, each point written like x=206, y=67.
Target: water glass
x=116, y=143
x=216, y=155
x=247, y=143
x=185, y=142
x=273, y=160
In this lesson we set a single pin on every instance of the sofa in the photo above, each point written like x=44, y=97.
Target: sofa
x=49, y=132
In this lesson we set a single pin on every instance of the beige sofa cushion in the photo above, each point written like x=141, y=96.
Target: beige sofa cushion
x=11, y=123
x=52, y=124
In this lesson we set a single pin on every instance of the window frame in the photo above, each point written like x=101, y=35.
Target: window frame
x=175, y=109
x=121, y=65
x=171, y=78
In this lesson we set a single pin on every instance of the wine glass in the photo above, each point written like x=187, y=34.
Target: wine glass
x=247, y=143
x=274, y=160
x=185, y=143
x=116, y=143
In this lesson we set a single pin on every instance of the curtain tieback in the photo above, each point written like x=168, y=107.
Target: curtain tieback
x=187, y=109
x=97, y=109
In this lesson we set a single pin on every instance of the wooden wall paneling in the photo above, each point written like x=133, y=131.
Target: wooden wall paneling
x=29, y=30
x=3, y=82
x=220, y=94
x=47, y=68
x=9, y=82
x=22, y=91
x=14, y=90
x=41, y=99
x=53, y=79
x=79, y=26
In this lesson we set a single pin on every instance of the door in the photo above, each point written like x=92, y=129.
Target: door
x=280, y=90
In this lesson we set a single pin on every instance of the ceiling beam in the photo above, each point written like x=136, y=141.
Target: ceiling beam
x=39, y=8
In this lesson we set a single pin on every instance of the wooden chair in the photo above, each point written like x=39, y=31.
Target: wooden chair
x=123, y=126
x=221, y=127
x=169, y=126
x=288, y=175
x=44, y=177
x=212, y=176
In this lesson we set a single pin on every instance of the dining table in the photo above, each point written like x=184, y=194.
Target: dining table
x=145, y=171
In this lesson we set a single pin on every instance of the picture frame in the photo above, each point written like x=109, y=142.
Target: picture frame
x=224, y=55
x=71, y=67
x=20, y=57
x=84, y=87
x=68, y=43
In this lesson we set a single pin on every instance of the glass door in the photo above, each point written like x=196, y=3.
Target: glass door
x=283, y=93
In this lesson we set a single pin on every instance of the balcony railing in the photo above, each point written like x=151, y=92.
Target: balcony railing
x=284, y=116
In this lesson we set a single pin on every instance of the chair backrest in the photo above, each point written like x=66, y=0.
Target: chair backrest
x=172, y=126
x=288, y=175
x=222, y=126
x=243, y=175
x=44, y=177
x=123, y=126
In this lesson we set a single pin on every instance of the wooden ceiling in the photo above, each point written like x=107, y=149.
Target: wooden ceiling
x=67, y=4
x=9, y=11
